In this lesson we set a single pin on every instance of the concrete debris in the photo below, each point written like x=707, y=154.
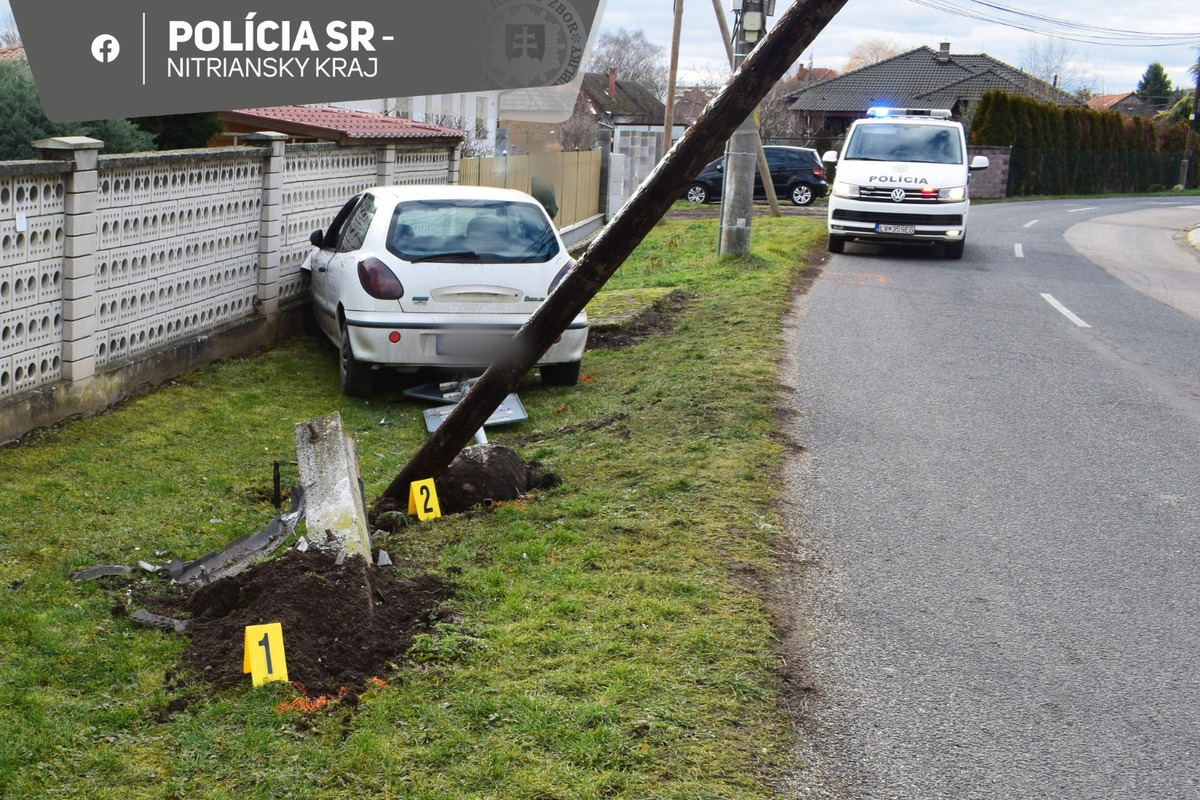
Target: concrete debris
x=384, y=559
x=302, y=544
x=146, y=565
x=328, y=464
x=148, y=620
x=102, y=571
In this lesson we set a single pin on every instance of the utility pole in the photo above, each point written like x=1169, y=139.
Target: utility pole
x=795, y=31
x=737, y=197
x=669, y=112
x=764, y=171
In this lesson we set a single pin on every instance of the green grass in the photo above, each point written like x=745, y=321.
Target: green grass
x=605, y=644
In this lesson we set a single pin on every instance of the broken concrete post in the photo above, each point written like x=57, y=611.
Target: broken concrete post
x=335, y=512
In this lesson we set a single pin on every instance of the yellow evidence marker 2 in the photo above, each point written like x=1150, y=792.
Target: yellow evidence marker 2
x=423, y=500
x=264, y=658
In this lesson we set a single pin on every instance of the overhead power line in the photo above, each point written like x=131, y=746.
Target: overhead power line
x=988, y=11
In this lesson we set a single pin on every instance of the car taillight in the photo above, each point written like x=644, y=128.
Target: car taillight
x=820, y=173
x=379, y=281
x=562, y=273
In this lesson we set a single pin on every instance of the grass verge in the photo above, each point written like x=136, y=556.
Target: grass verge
x=608, y=639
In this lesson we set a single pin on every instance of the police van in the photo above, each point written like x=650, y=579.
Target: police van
x=902, y=177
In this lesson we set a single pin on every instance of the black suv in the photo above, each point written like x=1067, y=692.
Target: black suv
x=797, y=173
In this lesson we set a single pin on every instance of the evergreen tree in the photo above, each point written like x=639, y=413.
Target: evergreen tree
x=24, y=121
x=1155, y=86
x=180, y=131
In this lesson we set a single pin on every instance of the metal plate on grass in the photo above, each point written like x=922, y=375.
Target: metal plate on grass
x=511, y=410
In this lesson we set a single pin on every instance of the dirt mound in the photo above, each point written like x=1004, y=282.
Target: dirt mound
x=489, y=473
x=342, y=624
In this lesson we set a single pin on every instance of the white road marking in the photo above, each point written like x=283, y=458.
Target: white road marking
x=1066, y=312
x=1030, y=224
x=1089, y=208
x=1020, y=251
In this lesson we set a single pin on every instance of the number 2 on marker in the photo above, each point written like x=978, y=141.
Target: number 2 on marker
x=423, y=500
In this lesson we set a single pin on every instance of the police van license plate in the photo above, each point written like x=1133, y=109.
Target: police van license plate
x=906, y=229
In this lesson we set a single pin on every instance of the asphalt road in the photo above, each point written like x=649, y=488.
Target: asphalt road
x=1000, y=507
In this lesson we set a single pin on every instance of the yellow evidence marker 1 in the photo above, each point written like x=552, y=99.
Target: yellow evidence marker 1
x=423, y=500
x=264, y=658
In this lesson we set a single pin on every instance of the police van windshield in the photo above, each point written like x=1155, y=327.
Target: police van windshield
x=930, y=144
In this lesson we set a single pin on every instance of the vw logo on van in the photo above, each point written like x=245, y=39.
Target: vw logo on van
x=897, y=195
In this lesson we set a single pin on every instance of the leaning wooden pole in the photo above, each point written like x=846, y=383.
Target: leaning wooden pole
x=793, y=33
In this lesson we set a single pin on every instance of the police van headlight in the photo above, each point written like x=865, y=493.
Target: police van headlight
x=843, y=189
x=955, y=194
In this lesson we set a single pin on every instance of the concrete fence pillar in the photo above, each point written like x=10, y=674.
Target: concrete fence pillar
x=79, y=251
x=385, y=165
x=454, y=169
x=270, y=236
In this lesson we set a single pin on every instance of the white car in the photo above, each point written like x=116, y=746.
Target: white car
x=443, y=276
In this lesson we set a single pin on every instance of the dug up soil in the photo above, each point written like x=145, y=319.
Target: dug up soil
x=342, y=624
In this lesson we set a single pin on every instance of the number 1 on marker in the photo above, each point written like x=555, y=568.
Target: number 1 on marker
x=264, y=658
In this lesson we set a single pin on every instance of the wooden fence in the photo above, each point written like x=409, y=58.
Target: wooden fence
x=575, y=177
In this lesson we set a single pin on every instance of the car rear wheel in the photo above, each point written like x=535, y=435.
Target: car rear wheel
x=837, y=244
x=561, y=374
x=803, y=195
x=356, y=378
x=697, y=193
x=954, y=249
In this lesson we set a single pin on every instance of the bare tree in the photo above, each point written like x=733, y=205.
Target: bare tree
x=1055, y=62
x=8, y=30
x=871, y=51
x=580, y=130
x=634, y=57
x=477, y=142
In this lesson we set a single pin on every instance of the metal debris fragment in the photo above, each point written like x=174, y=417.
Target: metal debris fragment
x=146, y=619
x=102, y=571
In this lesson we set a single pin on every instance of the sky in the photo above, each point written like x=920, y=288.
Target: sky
x=1106, y=69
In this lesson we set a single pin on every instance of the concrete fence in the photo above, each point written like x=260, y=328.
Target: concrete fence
x=117, y=271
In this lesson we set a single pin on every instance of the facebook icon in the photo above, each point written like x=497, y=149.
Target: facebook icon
x=105, y=48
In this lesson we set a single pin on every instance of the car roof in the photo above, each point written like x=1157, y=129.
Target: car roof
x=449, y=192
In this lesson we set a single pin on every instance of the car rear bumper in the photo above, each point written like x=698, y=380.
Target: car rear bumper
x=423, y=340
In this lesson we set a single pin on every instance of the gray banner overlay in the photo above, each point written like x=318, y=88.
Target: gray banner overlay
x=126, y=59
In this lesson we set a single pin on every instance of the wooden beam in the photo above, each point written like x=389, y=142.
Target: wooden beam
x=793, y=33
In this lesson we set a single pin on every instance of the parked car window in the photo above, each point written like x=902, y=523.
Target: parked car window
x=463, y=230
x=333, y=236
x=354, y=232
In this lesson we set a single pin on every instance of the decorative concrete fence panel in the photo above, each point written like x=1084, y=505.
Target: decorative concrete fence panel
x=32, y=238
x=177, y=247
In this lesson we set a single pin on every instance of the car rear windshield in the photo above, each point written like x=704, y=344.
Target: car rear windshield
x=491, y=231
x=899, y=142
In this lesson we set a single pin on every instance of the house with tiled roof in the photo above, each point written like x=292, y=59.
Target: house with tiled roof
x=319, y=123
x=1128, y=103
x=620, y=102
x=920, y=78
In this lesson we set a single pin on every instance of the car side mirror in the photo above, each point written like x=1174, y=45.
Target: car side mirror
x=830, y=157
x=979, y=162
x=317, y=238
